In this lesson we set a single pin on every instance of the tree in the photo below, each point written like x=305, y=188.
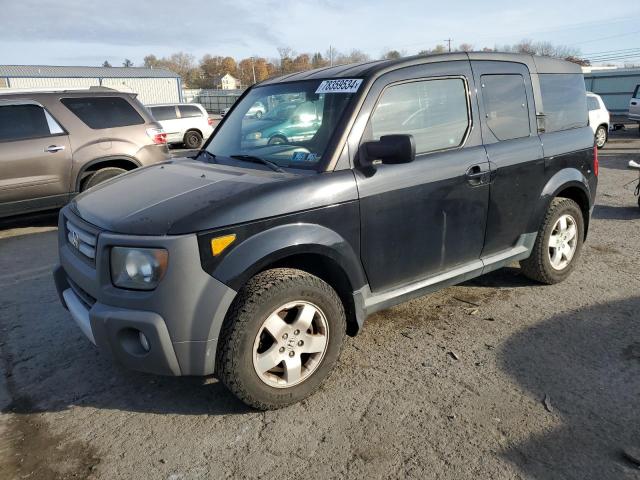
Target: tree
x=106, y=64
x=318, y=61
x=465, y=47
x=391, y=55
x=127, y=63
x=439, y=49
x=150, y=61
x=181, y=63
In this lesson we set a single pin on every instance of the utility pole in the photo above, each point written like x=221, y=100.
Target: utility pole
x=448, y=40
x=330, y=56
x=253, y=68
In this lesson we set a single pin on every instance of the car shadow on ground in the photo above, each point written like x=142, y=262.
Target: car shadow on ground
x=507, y=277
x=34, y=220
x=587, y=364
x=609, y=212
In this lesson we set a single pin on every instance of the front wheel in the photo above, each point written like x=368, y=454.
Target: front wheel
x=558, y=244
x=281, y=338
x=277, y=140
x=601, y=136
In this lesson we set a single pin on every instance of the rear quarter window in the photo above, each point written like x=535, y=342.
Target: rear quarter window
x=592, y=103
x=564, y=101
x=103, y=112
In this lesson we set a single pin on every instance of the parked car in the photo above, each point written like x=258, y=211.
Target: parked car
x=185, y=123
x=634, y=106
x=599, y=119
x=54, y=144
x=289, y=122
x=253, y=263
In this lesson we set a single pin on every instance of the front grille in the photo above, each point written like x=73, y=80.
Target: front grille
x=87, y=299
x=82, y=240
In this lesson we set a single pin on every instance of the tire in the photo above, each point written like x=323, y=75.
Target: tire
x=192, y=139
x=539, y=266
x=601, y=136
x=245, y=329
x=100, y=176
x=277, y=140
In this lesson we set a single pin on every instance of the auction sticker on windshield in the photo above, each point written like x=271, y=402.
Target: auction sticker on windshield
x=343, y=85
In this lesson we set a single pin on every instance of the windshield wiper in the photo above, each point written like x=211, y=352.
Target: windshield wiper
x=207, y=153
x=254, y=159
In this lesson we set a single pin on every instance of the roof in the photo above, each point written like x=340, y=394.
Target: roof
x=375, y=68
x=54, y=71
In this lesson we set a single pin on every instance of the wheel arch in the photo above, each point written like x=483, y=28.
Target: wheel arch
x=312, y=248
x=192, y=129
x=119, y=161
x=567, y=183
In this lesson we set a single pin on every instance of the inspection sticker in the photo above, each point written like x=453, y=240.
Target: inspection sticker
x=343, y=85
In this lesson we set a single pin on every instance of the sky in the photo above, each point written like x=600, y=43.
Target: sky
x=85, y=32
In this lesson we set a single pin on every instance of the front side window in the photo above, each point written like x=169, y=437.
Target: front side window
x=564, y=101
x=592, y=103
x=19, y=122
x=103, y=112
x=435, y=112
x=289, y=124
x=636, y=94
x=190, y=111
x=505, y=104
x=164, y=113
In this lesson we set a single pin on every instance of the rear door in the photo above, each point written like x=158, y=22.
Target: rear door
x=426, y=217
x=35, y=158
x=513, y=147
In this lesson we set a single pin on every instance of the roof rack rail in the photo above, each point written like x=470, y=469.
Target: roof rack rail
x=95, y=88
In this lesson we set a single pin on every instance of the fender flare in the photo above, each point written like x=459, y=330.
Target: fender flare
x=267, y=247
x=561, y=180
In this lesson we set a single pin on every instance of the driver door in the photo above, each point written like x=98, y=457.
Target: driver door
x=427, y=217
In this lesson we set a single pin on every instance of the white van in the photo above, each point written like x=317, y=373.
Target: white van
x=599, y=118
x=186, y=123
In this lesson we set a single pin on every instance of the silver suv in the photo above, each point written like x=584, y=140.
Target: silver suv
x=55, y=144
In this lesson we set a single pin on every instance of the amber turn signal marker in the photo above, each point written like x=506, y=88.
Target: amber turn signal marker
x=219, y=244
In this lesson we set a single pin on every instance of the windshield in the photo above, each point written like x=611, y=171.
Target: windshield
x=287, y=124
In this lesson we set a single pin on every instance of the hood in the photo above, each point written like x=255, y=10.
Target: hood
x=186, y=196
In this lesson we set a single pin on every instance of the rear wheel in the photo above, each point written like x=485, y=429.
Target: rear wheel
x=100, y=176
x=192, y=139
x=558, y=244
x=281, y=338
x=601, y=136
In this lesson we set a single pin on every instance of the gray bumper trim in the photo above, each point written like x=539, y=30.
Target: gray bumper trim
x=79, y=313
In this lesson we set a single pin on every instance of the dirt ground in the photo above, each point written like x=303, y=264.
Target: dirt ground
x=498, y=378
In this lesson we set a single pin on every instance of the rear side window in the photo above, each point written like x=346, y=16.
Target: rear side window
x=19, y=122
x=188, y=111
x=435, y=112
x=506, y=107
x=592, y=103
x=164, y=113
x=564, y=100
x=104, y=112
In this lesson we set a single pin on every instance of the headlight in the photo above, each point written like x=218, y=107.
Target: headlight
x=254, y=136
x=138, y=268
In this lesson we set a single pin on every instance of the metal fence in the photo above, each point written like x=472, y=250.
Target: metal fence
x=614, y=86
x=214, y=101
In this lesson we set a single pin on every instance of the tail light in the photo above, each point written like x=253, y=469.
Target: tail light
x=210, y=120
x=157, y=135
x=595, y=161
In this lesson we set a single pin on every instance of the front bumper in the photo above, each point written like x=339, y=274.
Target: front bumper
x=181, y=318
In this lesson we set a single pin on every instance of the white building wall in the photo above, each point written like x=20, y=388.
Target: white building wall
x=53, y=82
x=149, y=90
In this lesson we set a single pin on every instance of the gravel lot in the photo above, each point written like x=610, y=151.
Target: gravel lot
x=449, y=386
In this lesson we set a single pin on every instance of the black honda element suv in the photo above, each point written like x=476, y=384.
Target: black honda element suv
x=383, y=181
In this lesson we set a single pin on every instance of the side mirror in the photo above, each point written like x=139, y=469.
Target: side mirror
x=390, y=149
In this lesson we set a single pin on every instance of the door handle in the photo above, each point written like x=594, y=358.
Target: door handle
x=54, y=148
x=634, y=103
x=477, y=176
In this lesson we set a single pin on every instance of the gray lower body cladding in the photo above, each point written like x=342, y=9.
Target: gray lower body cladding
x=181, y=318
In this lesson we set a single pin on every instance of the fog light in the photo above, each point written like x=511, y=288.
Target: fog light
x=144, y=341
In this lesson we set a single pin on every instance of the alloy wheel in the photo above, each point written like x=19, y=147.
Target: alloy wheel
x=563, y=242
